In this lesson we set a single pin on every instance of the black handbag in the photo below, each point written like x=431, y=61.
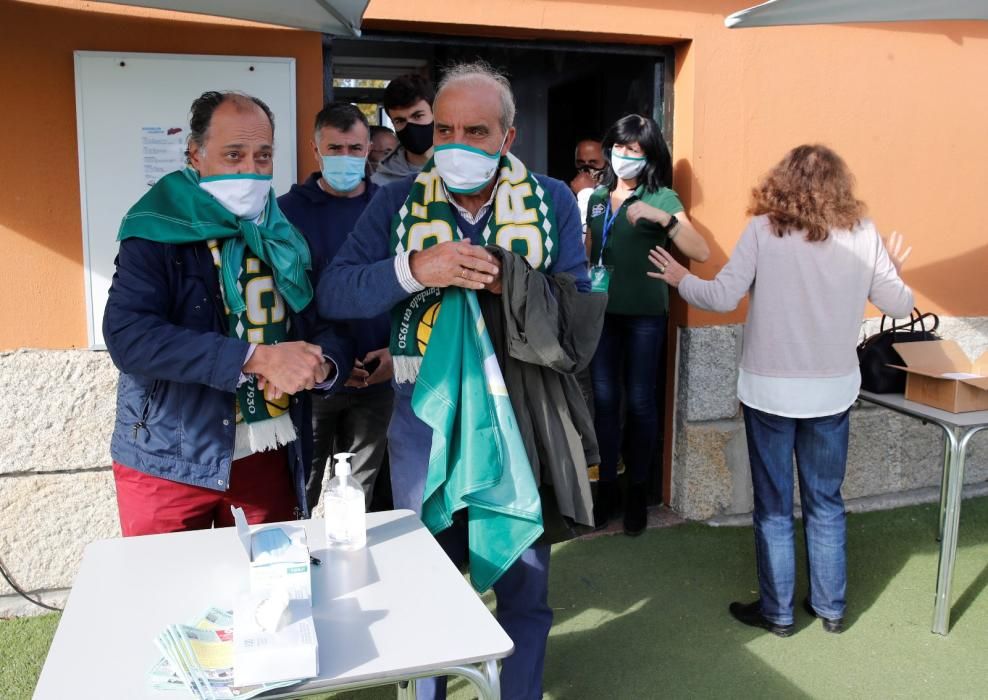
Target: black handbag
x=875, y=353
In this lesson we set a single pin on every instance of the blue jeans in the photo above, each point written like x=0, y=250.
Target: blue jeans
x=820, y=446
x=633, y=343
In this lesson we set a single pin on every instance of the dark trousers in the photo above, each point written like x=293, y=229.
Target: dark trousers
x=349, y=422
x=634, y=344
x=522, y=610
x=522, y=591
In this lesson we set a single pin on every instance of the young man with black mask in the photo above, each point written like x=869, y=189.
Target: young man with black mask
x=408, y=102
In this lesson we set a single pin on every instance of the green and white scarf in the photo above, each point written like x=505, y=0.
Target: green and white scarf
x=262, y=423
x=262, y=266
x=522, y=221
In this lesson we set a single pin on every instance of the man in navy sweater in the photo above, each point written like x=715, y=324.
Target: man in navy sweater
x=325, y=208
x=428, y=231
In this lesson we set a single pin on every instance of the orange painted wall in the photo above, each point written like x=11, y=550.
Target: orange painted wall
x=42, y=285
x=906, y=104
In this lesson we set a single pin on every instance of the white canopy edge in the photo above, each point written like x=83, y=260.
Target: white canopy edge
x=340, y=17
x=783, y=12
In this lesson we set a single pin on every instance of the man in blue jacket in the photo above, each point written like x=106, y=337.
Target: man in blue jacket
x=325, y=209
x=209, y=319
x=427, y=232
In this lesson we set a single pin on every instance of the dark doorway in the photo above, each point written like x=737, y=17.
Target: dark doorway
x=565, y=92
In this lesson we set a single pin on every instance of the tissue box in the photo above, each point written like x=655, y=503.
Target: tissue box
x=291, y=653
x=278, y=560
x=941, y=375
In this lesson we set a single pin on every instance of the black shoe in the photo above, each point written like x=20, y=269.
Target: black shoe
x=832, y=625
x=751, y=614
x=635, y=511
x=605, y=505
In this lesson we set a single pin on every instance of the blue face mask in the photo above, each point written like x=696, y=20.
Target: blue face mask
x=343, y=173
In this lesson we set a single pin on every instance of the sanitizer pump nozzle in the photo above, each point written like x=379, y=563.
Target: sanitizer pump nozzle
x=346, y=520
x=343, y=463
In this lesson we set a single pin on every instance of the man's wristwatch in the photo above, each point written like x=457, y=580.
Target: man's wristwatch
x=672, y=228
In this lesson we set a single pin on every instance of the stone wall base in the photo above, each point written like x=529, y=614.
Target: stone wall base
x=15, y=606
x=57, y=495
x=867, y=504
x=888, y=453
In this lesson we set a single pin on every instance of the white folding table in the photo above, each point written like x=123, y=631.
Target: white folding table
x=959, y=429
x=392, y=612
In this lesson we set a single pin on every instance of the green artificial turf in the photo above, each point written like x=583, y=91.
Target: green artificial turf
x=24, y=644
x=647, y=618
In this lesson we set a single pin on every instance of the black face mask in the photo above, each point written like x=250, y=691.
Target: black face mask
x=416, y=138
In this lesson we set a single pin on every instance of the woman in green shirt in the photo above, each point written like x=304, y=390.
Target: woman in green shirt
x=631, y=212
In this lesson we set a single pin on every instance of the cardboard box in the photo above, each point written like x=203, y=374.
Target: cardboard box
x=941, y=375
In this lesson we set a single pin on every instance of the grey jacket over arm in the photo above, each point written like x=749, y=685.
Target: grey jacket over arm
x=544, y=330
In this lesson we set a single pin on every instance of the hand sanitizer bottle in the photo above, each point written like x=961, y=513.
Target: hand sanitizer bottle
x=346, y=522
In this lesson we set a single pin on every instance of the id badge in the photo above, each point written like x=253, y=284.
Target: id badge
x=600, y=277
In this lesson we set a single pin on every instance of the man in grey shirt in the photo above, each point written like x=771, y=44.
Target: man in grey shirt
x=408, y=102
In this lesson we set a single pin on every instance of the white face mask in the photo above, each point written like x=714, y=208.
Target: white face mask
x=627, y=167
x=244, y=196
x=466, y=169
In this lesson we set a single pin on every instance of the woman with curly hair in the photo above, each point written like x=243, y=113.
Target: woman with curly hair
x=808, y=261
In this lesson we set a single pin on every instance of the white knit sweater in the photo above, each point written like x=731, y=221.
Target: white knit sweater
x=807, y=299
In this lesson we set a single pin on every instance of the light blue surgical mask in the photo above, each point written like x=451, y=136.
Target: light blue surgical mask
x=343, y=173
x=466, y=169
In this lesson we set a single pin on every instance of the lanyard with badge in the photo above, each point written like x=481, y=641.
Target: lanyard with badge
x=600, y=274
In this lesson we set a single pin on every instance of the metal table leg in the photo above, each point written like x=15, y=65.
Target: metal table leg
x=406, y=690
x=484, y=679
x=494, y=678
x=483, y=676
x=957, y=440
x=944, y=480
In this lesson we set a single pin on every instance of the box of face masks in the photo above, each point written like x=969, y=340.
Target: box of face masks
x=274, y=636
x=278, y=555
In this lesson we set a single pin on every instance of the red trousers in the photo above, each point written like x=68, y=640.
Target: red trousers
x=260, y=484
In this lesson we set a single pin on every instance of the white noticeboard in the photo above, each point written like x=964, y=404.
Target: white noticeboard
x=132, y=112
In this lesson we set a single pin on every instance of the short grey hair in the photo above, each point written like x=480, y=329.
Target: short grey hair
x=483, y=72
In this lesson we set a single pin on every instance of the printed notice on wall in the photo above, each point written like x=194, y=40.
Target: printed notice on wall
x=163, y=151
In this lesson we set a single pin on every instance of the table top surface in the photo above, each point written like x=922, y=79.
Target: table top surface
x=394, y=609
x=898, y=402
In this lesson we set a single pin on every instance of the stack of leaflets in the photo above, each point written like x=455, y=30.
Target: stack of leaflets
x=198, y=658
